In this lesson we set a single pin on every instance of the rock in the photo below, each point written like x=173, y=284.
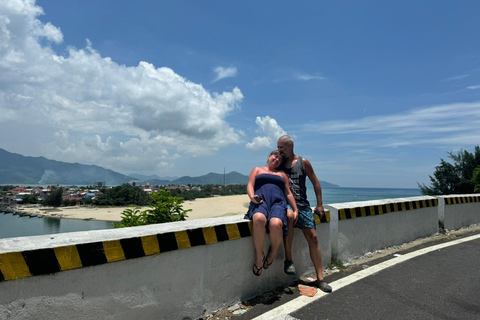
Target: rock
x=241, y=311
x=234, y=307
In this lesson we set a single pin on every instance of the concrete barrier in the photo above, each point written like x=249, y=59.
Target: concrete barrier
x=366, y=226
x=169, y=271
x=457, y=211
x=184, y=270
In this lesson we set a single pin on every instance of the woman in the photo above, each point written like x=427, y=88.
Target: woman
x=268, y=189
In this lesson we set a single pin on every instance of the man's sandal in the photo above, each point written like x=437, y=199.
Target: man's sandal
x=324, y=286
x=288, y=267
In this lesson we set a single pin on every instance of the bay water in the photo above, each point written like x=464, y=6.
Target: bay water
x=17, y=226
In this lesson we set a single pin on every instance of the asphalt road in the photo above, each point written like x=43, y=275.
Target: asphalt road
x=438, y=281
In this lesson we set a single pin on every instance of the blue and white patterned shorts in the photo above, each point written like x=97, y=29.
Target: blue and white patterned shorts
x=305, y=217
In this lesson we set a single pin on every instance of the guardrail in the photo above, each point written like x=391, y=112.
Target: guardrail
x=360, y=227
x=456, y=211
x=185, y=269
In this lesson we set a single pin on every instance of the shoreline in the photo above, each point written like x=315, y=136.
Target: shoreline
x=217, y=206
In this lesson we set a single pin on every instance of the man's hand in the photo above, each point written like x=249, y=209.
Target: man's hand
x=320, y=210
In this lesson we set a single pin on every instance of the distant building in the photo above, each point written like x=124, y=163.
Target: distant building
x=18, y=190
x=100, y=184
x=19, y=196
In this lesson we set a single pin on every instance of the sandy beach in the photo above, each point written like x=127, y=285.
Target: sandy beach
x=218, y=206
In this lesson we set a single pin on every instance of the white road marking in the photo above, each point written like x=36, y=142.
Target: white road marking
x=300, y=302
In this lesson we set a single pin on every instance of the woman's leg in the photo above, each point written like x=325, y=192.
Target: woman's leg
x=275, y=226
x=259, y=231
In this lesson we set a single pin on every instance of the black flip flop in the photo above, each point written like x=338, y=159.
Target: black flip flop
x=266, y=265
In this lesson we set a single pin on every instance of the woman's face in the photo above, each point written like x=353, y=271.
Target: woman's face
x=275, y=160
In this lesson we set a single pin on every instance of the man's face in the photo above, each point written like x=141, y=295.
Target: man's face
x=283, y=147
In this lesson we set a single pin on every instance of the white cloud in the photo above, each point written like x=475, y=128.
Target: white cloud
x=474, y=87
x=309, y=77
x=48, y=31
x=93, y=110
x=291, y=75
x=444, y=125
x=270, y=130
x=455, y=78
x=223, y=73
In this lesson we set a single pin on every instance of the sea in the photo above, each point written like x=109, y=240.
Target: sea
x=17, y=226
x=340, y=195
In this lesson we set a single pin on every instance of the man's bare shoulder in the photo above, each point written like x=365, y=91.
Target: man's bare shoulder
x=306, y=163
x=307, y=166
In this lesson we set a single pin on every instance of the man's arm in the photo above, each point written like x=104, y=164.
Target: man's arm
x=307, y=166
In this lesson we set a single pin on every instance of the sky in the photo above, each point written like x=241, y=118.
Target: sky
x=374, y=93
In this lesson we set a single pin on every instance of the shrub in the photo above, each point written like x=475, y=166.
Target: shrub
x=164, y=208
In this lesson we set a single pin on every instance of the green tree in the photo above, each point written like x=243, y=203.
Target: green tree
x=208, y=189
x=29, y=198
x=456, y=178
x=54, y=198
x=123, y=195
x=465, y=163
x=164, y=208
x=69, y=202
x=476, y=179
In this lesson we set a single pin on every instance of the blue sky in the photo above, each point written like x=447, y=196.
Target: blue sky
x=374, y=93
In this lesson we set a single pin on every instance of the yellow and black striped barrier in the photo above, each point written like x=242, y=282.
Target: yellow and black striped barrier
x=16, y=265
x=323, y=219
x=462, y=199
x=374, y=210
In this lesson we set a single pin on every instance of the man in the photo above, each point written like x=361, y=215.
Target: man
x=297, y=169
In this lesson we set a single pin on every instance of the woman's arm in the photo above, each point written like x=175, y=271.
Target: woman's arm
x=251, y=184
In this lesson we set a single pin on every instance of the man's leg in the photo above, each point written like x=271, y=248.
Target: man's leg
x=316, y=256
x=287, y=244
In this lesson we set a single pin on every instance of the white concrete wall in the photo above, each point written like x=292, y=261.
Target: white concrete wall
x=457, y=211
x=362, y=233
x=171, y=285
x=191, y=281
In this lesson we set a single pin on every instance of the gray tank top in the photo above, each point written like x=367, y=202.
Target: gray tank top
x=297, y=177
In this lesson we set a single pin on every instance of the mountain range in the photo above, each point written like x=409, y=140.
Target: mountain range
x=18, y=169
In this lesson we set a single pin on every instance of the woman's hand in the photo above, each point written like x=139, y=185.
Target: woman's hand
x=256, y=199
x=295, y=217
